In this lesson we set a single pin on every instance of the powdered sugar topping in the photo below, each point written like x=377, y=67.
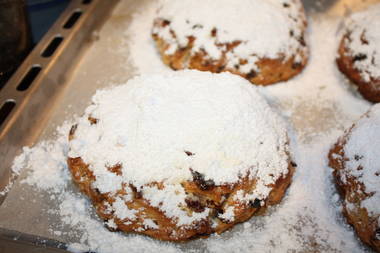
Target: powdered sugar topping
x=364, y=42
x=149, y=124
x=161, y=128
x=363, y=157
x=255, y=23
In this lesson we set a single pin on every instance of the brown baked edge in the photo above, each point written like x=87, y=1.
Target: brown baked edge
x=80, y=170
x=271, y=70
x=362, y=223
x=345, y=64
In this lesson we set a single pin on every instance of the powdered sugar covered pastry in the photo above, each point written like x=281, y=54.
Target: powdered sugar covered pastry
x=261, y=40
x=359, y=52
x=180, y=155
x=356, y=162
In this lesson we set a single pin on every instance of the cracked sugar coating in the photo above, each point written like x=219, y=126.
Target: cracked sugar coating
x=356, y=160
x=359, y=52
x=261, y=40
x=180, y=154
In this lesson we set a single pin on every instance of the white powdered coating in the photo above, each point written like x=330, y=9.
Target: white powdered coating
x=307, y=220
x=364, y=157
x=170, y=200
x=266, y=28
x=49, y=159
x=364, y=26
x=148, y=124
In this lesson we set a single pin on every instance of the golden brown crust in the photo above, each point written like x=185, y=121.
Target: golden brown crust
x=370, y=90
x=353, y=193
x=201, y=194
x=270, y=70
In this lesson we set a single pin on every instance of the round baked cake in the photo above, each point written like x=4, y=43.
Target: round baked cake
x=180, y=155
x=260, y=40
x=355, y=159
x=359, y=52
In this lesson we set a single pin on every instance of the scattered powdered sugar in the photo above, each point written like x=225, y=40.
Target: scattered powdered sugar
x=49, y=160
x=48, y=171
x=364, y=162
x=364, y=41
x=258, y=23
x=320, y=106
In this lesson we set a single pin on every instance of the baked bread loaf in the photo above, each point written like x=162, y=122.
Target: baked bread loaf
x=180, y=155
x=260, y=40
x=355, y=159
x=359, y=52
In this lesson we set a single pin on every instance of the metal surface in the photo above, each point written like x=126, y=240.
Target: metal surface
x=83, y=62
x=35, y=104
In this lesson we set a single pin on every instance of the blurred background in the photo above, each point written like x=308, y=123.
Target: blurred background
x=22, y=24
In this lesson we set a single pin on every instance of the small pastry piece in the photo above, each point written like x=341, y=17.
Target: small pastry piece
x=355, y=159
x=180, y=155
x=260, y=40
x=359, y=52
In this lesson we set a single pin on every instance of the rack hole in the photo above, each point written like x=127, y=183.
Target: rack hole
x=53, y=45
x=86, y=1
x=6, y=109
x=73, y=19
x=29, y=78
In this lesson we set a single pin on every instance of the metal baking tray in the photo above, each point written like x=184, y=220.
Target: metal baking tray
x=74, y=59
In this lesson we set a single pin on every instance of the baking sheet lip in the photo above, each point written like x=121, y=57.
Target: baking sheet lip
x=23, y=98
x=7, y=234
x=10, y=91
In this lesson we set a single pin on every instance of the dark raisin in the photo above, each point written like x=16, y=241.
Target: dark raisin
x=207, y=63
x=359, y=57
x=251, y=74
x=213, y=32
x=188, y=153
x=296, y=65
x=377, y=234
x=359, y=167
x=236, y=66
x=255, y=204
x=195, y=205
x=92, y=120
x=363, y=39
x=293, y=164
x=286, y=5
x=73, y=129
x=301, y=40
x=165, y=22
x=220, y=69
x=200, y=181
x=138, y=194
x=291, y=33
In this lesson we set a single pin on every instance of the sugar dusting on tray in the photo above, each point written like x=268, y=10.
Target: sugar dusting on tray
x=318, y=103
